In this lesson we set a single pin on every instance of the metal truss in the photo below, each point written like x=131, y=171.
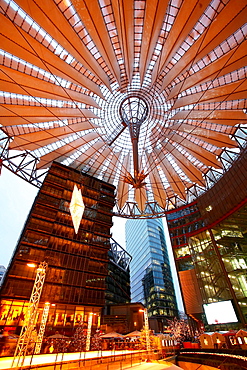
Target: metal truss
x=131, y=210
x=29, y=324
x=119, y=255
x=23, y=164
x=42, y=328
x=156, y=122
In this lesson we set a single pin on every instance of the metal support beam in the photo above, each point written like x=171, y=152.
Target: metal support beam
x=119, y=255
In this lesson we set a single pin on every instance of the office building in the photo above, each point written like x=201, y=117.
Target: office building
x=75, y=280
x=209, y=239
x=2, y=272
x=150, y=273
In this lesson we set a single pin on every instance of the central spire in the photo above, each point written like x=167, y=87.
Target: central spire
x=134, y=111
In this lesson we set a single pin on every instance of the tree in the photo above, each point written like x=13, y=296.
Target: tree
x=96, y=341
x=180, y=330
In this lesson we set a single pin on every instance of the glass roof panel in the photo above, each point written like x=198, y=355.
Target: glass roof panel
x=178, y=69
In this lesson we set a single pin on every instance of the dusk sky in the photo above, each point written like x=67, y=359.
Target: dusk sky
x=16, y=199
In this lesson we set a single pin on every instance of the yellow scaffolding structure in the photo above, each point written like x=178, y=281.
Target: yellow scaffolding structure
x=29, y=324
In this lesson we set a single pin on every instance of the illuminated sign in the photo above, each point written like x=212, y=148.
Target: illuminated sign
x=76, y=208
x=220, y=312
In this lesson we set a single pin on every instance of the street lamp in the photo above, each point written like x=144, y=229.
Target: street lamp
x=32, y=265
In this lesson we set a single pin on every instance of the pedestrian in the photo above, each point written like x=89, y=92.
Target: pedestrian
x=4, y=343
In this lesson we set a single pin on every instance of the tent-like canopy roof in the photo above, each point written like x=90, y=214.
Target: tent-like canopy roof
x=148, y=95
x=112, y=334
x=133, y=334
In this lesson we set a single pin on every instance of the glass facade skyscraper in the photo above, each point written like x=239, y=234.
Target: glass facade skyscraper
x=75, y=282
x=150, y=273
x=209, y=240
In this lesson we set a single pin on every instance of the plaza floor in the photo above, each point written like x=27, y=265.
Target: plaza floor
x=65, y=358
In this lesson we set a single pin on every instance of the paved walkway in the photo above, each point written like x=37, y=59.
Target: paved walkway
x=156, y=366
x=6, y=362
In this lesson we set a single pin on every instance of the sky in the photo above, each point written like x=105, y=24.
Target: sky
x=16, y=199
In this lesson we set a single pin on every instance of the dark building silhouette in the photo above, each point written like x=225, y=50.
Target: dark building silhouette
x=118, y=278
x=123, y=318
